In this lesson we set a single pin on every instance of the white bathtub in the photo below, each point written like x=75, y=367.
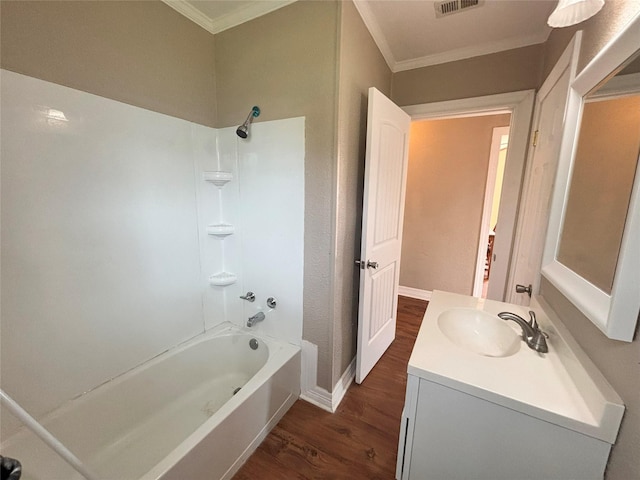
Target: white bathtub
x=174, y=417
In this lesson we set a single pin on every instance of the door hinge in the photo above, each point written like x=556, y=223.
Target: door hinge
x=535, y=138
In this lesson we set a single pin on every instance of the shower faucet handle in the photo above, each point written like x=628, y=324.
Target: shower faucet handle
x=249, y=297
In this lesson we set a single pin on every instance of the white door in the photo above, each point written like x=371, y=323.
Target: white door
x=382, y=218
x=544, y=153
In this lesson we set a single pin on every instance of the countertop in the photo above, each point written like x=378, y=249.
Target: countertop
x=562, y=386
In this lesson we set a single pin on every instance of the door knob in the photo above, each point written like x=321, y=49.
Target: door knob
x=371, y=264
x=523, y=289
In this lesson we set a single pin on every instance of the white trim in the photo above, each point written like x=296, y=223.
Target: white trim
x=316, y=395
x=619, y=86
x=380, y=39
x=467, y=107
x=232, y=19
x=485, y=227
x=191, y=12
x=567, y=62
x=340, y=388
x=616, y=314
x=470, y=52
x=319, y=397
x=372, y=25
x=414, y=293
x=586, y=300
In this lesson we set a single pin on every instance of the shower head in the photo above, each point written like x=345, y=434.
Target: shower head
x=243, y=130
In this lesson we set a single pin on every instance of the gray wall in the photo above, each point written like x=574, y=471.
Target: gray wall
x=508, y=71
x=618, y=361
x=138, y=52
x=361, y=66
x=286, y=62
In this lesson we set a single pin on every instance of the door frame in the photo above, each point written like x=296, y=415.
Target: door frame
x=567, y=63
x=489, y=191
x=520, y=105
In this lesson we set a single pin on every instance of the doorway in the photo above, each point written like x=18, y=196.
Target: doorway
x=519, y=105
x=490, y=211
x=450, y=188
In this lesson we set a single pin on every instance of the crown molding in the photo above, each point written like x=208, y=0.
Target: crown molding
x=232, y=19
x=376, y=32
x=470, y=52
x=191, y=12
x=460, y=54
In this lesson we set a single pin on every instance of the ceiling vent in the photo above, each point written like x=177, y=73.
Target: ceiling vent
x=449, y=7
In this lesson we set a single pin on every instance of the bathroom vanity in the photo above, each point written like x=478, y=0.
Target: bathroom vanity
x=481, y=404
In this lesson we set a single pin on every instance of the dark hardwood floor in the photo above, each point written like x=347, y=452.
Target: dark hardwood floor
x=358, y=441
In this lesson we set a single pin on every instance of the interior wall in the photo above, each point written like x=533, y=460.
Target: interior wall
x=100, y=261
x=507, y=71
x=286, y=63
x=361, y=66
x=448, y=164
x=596, y=32
x=616, y=360
x=142, y=53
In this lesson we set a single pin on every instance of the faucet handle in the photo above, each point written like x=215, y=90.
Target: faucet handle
x=532, y=320
x=249, y=297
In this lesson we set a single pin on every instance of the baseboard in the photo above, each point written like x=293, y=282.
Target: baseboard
x=415, y=293
x=340, y=389
x=324, y=399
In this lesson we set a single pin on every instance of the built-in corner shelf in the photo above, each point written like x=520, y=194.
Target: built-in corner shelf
x=219, y=179
x=223, y=279
x=220, y=229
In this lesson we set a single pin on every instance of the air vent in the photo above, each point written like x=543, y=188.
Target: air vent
x=449, y=7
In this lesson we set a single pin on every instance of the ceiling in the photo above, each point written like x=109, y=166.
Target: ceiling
x=407, y=32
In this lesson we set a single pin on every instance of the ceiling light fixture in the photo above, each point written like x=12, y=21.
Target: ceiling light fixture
x=571, y=12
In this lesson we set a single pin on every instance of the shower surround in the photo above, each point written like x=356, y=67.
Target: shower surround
x=109, y=239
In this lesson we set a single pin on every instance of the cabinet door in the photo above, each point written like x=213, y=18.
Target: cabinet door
x=457, y=435
x=407, y=428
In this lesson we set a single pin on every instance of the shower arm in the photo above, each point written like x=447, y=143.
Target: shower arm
x=46, y=436
x=255, y=111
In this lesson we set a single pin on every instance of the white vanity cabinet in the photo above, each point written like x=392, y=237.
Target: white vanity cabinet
x=522, y=416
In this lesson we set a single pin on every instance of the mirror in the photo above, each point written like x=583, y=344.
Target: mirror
x=601, y=181
x=592, y=251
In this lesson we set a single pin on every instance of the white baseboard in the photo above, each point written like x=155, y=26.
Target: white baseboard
x=415, y=293
x=316, y=395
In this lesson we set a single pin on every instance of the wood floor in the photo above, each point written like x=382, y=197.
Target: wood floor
x=360, y=440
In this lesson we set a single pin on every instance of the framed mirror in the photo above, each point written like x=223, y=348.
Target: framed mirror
x=592, y=249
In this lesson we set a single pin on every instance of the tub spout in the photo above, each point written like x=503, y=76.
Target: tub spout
x=258, y=317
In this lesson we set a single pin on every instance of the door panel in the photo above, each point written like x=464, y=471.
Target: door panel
x=383, y=211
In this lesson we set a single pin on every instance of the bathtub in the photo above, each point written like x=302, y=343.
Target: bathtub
x=173, y=417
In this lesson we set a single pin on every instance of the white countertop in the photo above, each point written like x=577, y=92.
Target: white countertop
x=561, y=386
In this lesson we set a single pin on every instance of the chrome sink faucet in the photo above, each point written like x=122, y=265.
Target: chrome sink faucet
x=258, y=317
x=535, y=338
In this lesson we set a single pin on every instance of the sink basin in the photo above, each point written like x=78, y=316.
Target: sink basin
x=479, y=332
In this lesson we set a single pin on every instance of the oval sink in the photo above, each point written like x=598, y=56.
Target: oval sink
x=479, y=332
